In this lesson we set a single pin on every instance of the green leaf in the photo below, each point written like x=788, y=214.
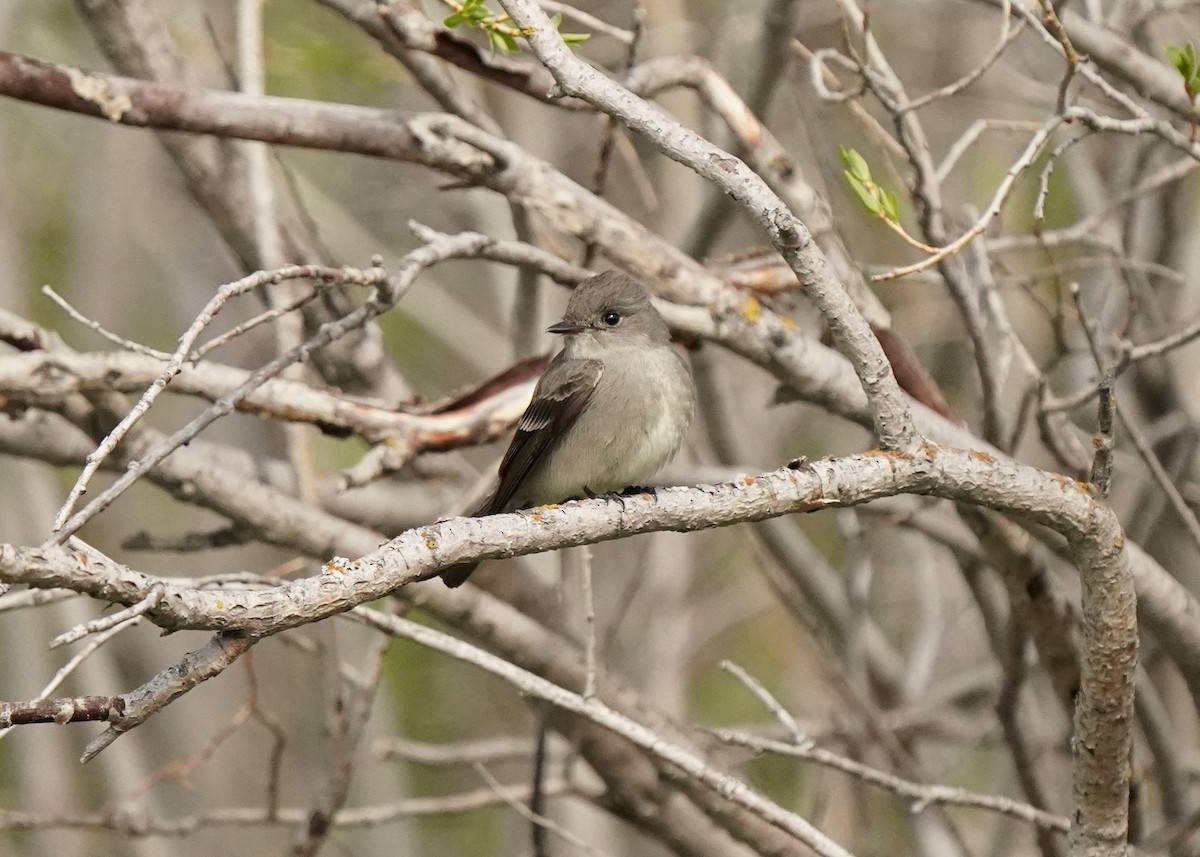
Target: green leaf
x=1183, y=57
x=575, y=38
x=890, y=209
x=509, y=43
x=856, y=165
x=866, y=195
x=453, y=20
x=877, y=200
x=501, y=41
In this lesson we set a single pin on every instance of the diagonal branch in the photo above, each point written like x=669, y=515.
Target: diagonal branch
x=893, y=421
x=727, y=786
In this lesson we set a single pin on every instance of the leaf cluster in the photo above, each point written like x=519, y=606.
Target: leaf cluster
x=502, y=36
x=877, y=199
x=1183, y=57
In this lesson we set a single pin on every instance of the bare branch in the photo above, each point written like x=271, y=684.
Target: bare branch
x=595, y=710
x=375, y=277
x=160, y=691
x=921, y=795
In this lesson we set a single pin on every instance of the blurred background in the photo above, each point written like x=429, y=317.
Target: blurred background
x=101, y=214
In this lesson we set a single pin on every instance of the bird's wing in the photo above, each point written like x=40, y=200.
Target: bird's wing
x=561, y=395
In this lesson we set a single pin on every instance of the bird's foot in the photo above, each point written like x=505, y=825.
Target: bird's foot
x=631, y=491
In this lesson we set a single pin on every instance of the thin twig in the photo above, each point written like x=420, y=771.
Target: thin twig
x=105, y=623
x=179, y=768
x=506, y=795
x=537, y=788
x=1055, y=28
x=164, y=688
x=772, y=704
x=1102, y=464
x=262, y=318
x=260, y=279
x=92, y=324
x=74, y=663
x=351, y=712
x=610, y=137
x=1008, y=35
x=921, y=795
x=956, y=150
x=584, y=554
x=387, y=291
x=591, y=21
x=374, y=815
x=486, y=750
x=1032, y=149
x=1182, y=510
x=593, y=709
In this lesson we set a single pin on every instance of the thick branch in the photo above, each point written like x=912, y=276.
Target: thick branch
x=961, y=475
x=439, y=141
x=44, y=378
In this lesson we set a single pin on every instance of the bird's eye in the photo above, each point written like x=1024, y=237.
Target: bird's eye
x=611, y=317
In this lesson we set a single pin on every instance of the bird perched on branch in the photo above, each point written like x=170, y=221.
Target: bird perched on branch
x=610, y=410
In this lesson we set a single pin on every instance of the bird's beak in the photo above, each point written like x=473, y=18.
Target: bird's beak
x=565, y=327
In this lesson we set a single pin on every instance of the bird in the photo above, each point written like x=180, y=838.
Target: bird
x=611, y=408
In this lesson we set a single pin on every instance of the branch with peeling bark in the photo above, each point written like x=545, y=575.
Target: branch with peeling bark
x=971, y=477
x=1110, y=572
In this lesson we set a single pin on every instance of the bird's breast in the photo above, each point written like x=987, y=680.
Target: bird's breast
x=632, y=425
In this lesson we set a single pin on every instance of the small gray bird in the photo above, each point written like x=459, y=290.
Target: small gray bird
x=610, y=410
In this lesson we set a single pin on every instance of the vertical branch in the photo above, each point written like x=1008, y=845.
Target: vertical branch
x=1105, y=442
x=1104, y=708
x=589, y=620
x=288, y=327
x=526, y=322
x=608, y=143
x=352, y=711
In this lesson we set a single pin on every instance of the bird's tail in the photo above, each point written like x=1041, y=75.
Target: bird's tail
x=456, y=575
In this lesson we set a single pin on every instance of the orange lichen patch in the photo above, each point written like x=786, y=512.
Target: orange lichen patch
x=876, y=452
x=747, y=480
x=980, y=455
x=220, y=604
x=1066, y=482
